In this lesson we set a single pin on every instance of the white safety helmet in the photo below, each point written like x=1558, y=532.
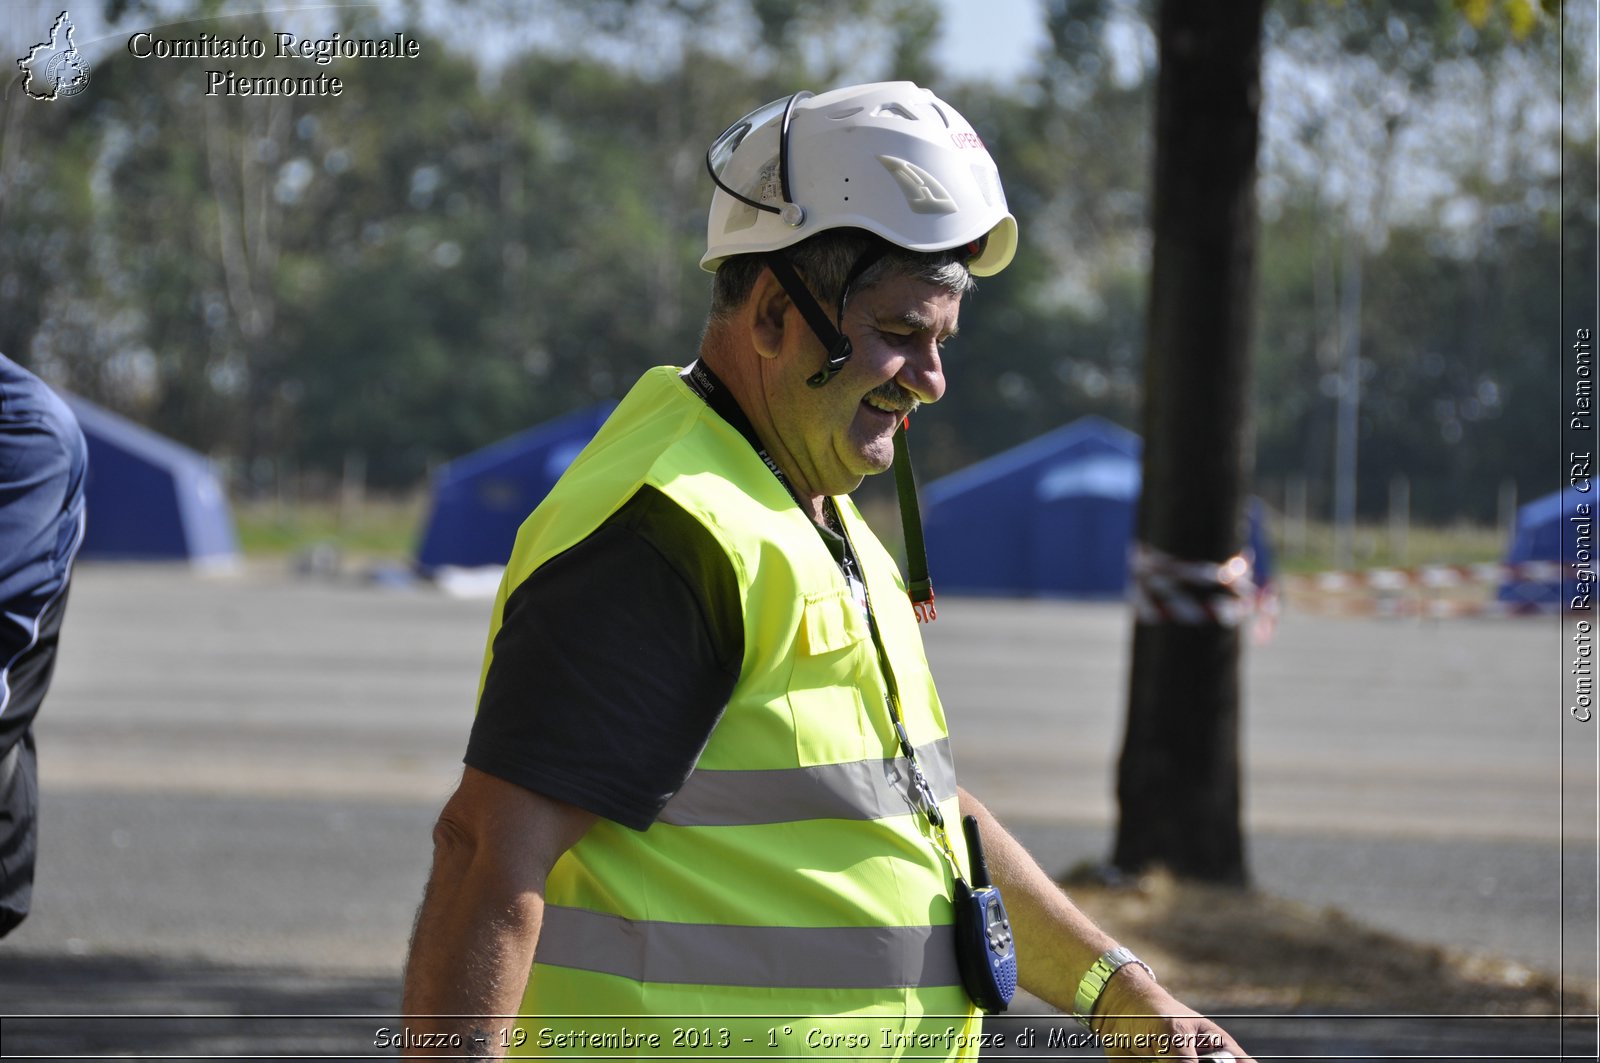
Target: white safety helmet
x=891, y=158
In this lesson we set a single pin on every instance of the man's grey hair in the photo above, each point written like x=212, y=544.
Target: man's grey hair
x=824, y=261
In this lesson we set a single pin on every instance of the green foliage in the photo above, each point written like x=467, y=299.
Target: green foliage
x=1521, y=17
x=449, y=253
x=1455, y=363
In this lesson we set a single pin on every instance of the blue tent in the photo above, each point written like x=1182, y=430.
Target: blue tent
x=149, y=498
x=1054, y=516
x=480, y=500
x=1557, y=527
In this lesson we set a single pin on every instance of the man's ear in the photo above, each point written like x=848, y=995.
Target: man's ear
x=769, y=314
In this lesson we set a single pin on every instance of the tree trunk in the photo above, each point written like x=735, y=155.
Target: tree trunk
x=1178, y=778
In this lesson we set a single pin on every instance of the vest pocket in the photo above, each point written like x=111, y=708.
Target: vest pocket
x=831, y=622
x=835, y=668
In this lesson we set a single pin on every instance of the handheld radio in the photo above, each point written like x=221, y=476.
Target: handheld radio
x=986, y=951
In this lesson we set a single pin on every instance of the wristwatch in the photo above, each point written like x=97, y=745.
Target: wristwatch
x=1096, y=977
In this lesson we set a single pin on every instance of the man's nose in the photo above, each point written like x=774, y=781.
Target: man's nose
x=923, y=372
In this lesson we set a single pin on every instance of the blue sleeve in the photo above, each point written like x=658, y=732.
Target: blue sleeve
x=43, y=462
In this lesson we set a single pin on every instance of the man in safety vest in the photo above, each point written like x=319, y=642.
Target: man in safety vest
x=709, y=808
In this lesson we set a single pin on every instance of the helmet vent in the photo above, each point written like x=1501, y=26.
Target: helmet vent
x=895, y=109
x=988, y=179
x=924, y=194
x=845, y=112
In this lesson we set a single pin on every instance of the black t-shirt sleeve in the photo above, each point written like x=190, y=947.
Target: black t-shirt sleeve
x=612, y=664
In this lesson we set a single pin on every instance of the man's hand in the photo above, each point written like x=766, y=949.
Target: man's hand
x=1056, y=943
x=1136, y=1018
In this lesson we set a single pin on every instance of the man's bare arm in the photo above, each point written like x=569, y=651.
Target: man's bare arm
x=494, y=846
x=1057, y=943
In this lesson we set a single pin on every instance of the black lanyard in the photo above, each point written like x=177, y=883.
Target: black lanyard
x=704, y=383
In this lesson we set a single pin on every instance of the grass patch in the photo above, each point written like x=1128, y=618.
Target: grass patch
x=391, y=527
x=374, y=527
x=1296, y=552
x=1375, y=546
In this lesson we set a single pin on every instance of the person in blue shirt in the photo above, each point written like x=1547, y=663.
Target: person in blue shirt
x=43, y=463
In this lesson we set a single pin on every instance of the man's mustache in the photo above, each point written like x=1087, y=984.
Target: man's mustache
x=890, y=393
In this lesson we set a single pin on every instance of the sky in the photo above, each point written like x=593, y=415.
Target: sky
x=993, y=40
x=982, y=40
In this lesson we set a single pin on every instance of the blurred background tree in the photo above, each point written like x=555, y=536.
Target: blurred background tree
x=1178, y=776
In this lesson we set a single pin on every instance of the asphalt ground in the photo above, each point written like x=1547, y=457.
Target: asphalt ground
x=239, y=775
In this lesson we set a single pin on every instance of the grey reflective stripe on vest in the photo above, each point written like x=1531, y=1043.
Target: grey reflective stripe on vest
x=856, y=790
x=782, y=957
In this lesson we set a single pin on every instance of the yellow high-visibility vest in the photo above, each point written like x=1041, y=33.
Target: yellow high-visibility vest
x=788, y=901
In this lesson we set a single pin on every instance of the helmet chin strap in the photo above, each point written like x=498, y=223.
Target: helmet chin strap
x=834, y=342
x=837, y=345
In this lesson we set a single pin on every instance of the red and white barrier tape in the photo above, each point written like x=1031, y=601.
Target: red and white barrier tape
x=1169, y=590
x=1422, y=591
x=1435, y=576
